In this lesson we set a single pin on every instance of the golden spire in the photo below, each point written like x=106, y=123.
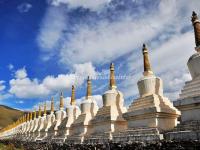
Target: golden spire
x=61, y=100
x=196, y=25
x=39, y=113
x=35, y=115
x=22, y=119
x=27, y=117
x=147, y=66
x=30, y=116
x=73, y=99
x=52, y=104
x=112, y=76
x=89, y=88
x=45, y=108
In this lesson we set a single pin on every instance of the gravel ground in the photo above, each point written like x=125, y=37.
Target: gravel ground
x=162, y=145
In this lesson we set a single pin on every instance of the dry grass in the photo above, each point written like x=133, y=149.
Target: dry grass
x=8, y=115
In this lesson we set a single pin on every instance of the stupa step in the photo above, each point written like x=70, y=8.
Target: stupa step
x=183, y=135
x=188, y=86
x=192, y=93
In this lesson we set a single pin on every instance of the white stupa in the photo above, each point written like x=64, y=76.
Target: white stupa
x=50, y=119
x=189, y=99
x=36, y=125
x=60, y=115
x=73, y=112
x=152, y=110
x=41, y=124
x=82, y=125
x=109, y=117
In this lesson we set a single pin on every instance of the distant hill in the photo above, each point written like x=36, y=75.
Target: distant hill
x=8, y=115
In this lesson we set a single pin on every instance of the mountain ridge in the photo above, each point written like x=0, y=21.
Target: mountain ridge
x=8, y=115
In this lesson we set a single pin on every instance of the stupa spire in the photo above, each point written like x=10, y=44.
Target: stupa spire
x=23, y=118
x=27, y=117
x=61, y=100
x=112, y=76
x=52, y=104
x=45, y=108
x=89, y=88
x=35, y=115
x=39, y=113
x=31, y=116
x=196, y=25
x=73, y=99
x=147, y=65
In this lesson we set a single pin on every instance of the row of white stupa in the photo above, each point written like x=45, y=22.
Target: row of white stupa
x=146, y=118
x=152, y=110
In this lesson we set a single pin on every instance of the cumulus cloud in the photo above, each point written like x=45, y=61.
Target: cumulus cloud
x=87, y=4
x=27, y=88
x=21, y=73
x=24, y=87
x=24, y=7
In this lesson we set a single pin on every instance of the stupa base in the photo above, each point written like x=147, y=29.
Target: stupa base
x=138, y=135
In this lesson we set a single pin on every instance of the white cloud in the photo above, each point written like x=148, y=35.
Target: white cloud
x=2, y=86
x=52, y=27
x=24, y=87
x=3, y=94
x=21, y=73
x=167, y=30
x=112, y=39
x=59, y=82
x=106, y=40
x=10, y=67
x=24, y=7
x=87, y=4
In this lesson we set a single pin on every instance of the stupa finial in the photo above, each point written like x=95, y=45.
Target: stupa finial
x=39, y=112
x=147, y=65
x=31, y=116
x=45, y=108
x=89, y=88
x=61, y=100
x=52, y=104
x=27, y=119
x=196, y=25
x=73, y=99
x=35, y=115
x=112, y=76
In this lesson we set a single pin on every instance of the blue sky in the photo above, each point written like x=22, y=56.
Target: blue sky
x=45, y=44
